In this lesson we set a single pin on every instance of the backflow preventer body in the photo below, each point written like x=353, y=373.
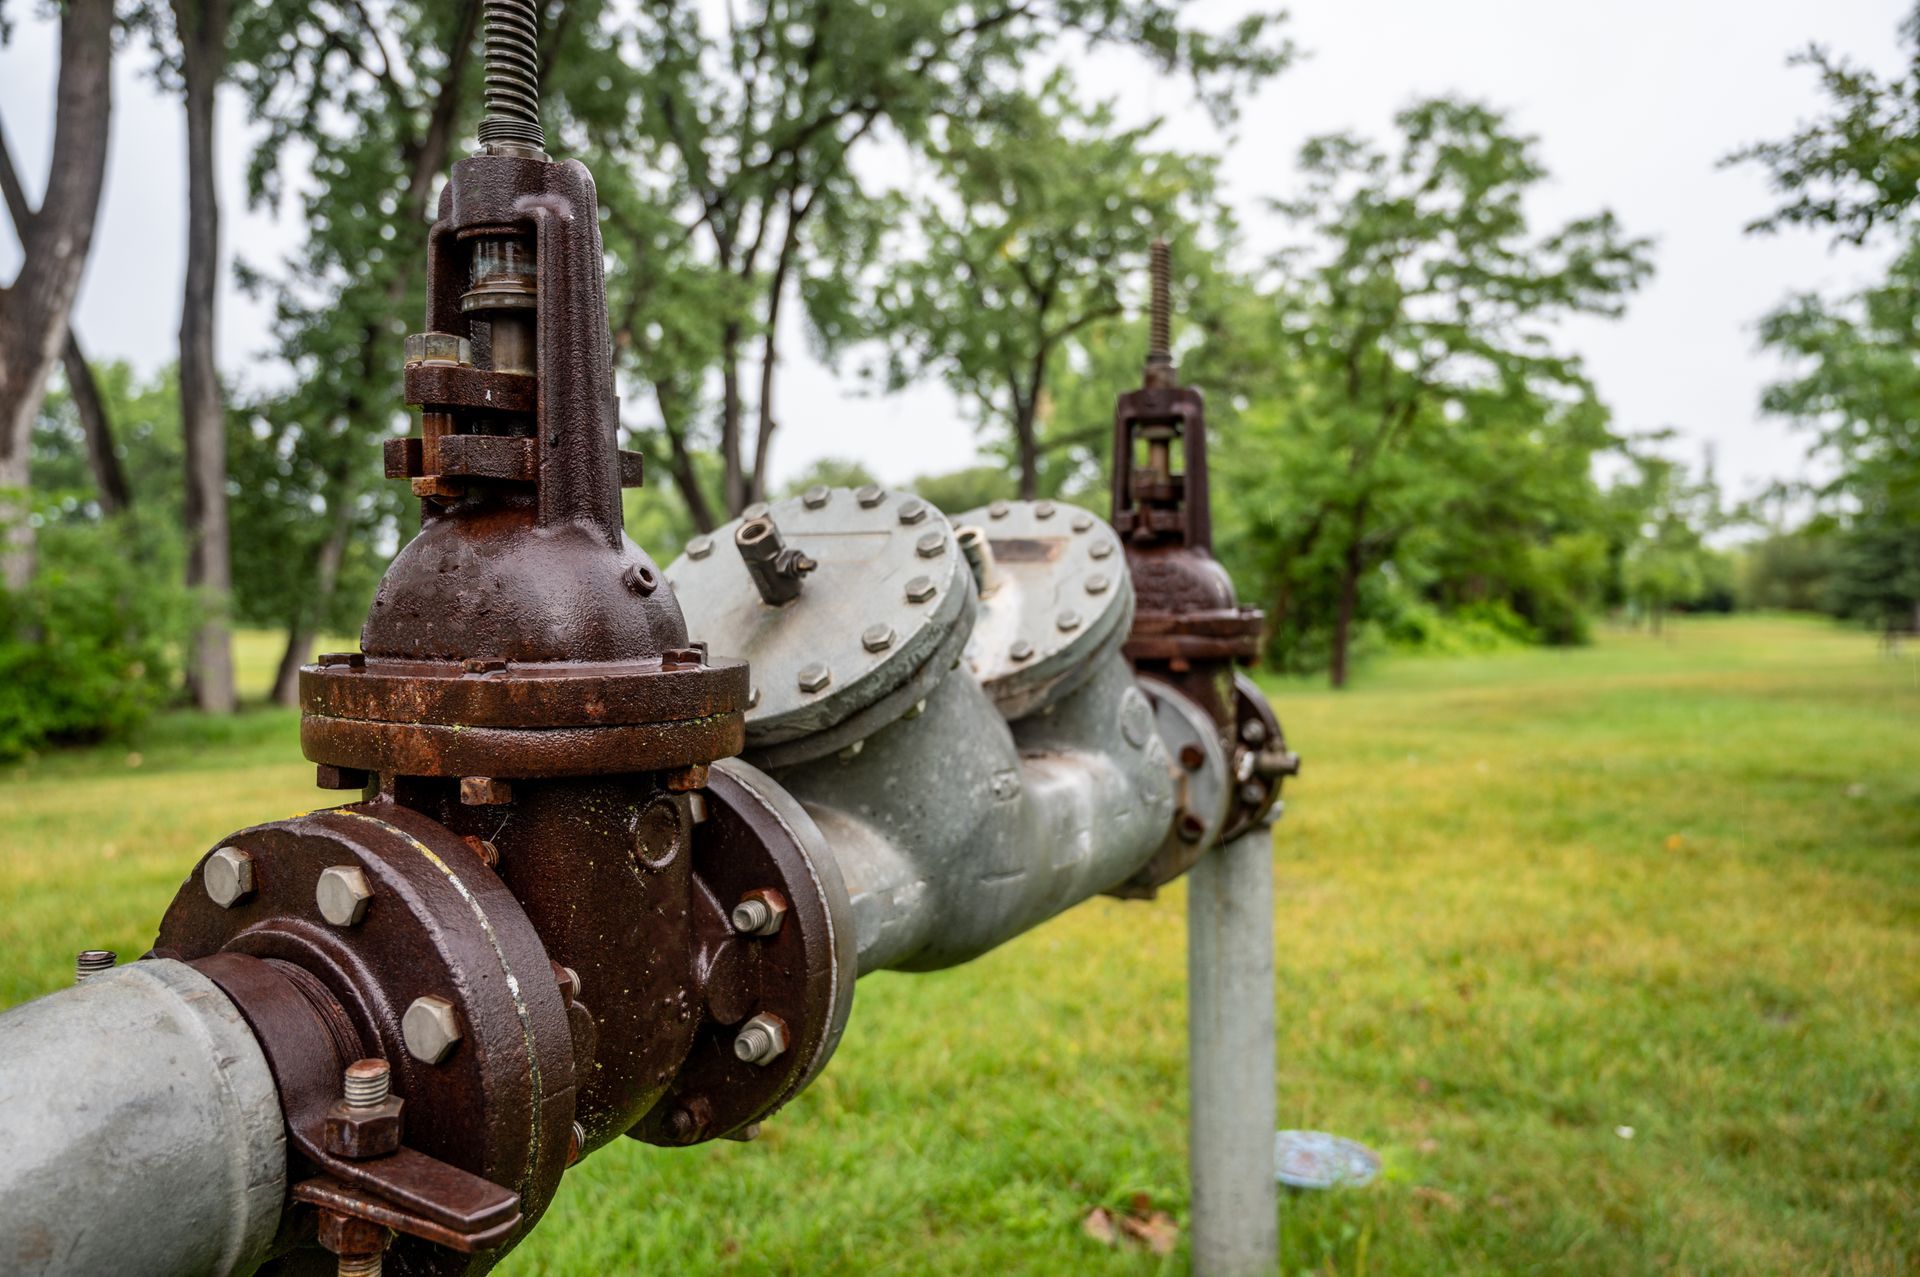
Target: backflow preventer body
x=621, y=839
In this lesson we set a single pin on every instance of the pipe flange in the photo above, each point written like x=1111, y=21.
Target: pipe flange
x=1056, y=597
x=437, y=924
x=1203, y=791
x=785, y=991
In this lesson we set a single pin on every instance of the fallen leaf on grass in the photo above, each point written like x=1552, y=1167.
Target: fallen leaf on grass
x=1141, y=1227
x=1439, y=1197
x=1676, y=842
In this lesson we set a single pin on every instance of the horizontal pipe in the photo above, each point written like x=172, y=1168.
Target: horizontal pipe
x=140, y=1130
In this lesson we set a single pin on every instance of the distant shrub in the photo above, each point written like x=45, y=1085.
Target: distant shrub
x=90, y=646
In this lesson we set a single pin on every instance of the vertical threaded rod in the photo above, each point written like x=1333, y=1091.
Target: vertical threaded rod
x=359, y=1266
x=513, y=76
x=367, y=1083
x=92, y=962
x=1160, y=318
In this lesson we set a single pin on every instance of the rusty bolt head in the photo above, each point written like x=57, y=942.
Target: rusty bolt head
x=932, y=545
x=1192, y=757
x=327, y=776
x=912, y=510
x=228, y=876
x=336, y=660
x=877, y=638
x=920, y=589
x=1253, y=793
x=342, y=894
x=431, y=1029
x=352, y=1239
x=699, y=547
x=1044, y=509
x=1101, y=549
x=484, y=791
x=870, y=496
x=815, y=677
x=437, y=348
x=759, y=913
x=998, y=510
x=816, y=497
x=1021, y=650
x=1098, y=583
x=761, y=1040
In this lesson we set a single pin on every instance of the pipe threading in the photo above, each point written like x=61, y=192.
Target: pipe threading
x=359, y=1266
x=92, y=962
x=1160, y=318
x=367, y=1083
x=512, y=75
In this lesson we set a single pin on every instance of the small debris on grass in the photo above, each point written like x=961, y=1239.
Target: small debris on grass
x=1438, y=1196
x=1676, y=842
x=1141, y=1228
x=1856, y=790
x=1624, y=1132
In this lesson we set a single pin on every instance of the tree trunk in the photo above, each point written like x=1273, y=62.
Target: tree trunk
x=202, y=26
x=1351, y=564
x=34, y=310
x=109, y=477
x=300, y=635
x=733, y=472
x=1029, y=450
x=686, y=479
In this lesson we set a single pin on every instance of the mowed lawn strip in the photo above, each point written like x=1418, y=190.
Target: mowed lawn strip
x=1613, y=954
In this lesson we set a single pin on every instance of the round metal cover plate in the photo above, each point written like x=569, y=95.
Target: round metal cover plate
x=890, y=586
x=1060, y=594
x=1315, y=1159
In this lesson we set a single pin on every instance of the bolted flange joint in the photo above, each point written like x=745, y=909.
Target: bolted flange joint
x=761, y=1040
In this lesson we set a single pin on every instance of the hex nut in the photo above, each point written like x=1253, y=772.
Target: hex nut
x=228, y=876
x=1101, y=549
x=1068, y=621
x=920, y=589
x=699, y=547
x=437, y=348
x=485, y=791
x=998, y=510
x=758, y=510
x=912, y=511
x=932, y=545
x=431, y=1029
x=1098, y=583
x=759, y=913
x=815, y=677
x=870, y=496
x=877, y=638
x=761, y=1040
x=359, y=1131
x=1044, y=509
x=1254, y=732
x=1083, y=522
x=817, y=496
x=342, y=894
x=1021, y=650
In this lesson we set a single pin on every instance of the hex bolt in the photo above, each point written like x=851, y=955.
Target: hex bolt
x=816, y=497
x=814, y=677
x=436, y=348
x=998, y=510
x=759, y=913
x=1098, y=583
x=932, y=545
x=367, y=1083
x=761, y=1040
x=485, y=791
x=91, y=962
x=1044, y=509
x=877, y=638
x=1253, y=731
x=920, y=589
x=1192, y=757
x=912, y=510
x=758, y=510
x=430, y=1028
x=1253, y=793
x=576, y=1143
x=228, y=876
x=1083, y=522
x=870, y=496
x=1101, y=549
x=699, y=547
x=1021, y=650
x=342, y=894
x=1068, y=621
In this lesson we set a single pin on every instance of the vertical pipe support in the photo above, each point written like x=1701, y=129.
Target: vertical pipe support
x=1230, y=1053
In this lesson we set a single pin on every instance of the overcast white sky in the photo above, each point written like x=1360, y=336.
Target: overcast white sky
x=1634, y=102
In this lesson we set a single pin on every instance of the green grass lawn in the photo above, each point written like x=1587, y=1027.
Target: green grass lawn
x=1613, y=954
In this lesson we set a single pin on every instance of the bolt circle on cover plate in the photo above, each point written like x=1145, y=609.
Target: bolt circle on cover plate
x=877, y=638
x=1044, y=509
x=815, y=677
x=870, y=496
x=1098, y=584
x=228, y=876
x=816, y=496
x=699, y=547
x=1068, y=621
x=998, y=510
x=1021, y=650
x=1101, y=549
x=912, y=510
x=932, y=545
x=342, y=893
x=431, y=1029
x=920, y=589
x=761, y=1040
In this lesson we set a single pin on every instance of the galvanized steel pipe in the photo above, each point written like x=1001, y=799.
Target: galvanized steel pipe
x=140, y=1131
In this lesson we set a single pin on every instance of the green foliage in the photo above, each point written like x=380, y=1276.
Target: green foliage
x=1856, y=389
x=958, y=491
x=90, y=647
x=1856, y=170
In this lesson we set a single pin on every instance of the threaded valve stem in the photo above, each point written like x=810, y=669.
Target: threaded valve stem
x=512, y=76
x=1160, y=318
